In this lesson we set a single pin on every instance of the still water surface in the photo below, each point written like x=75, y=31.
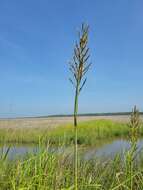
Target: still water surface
x=107, y=150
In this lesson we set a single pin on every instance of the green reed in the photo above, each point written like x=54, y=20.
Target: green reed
x=51, y=171
x=79, y=67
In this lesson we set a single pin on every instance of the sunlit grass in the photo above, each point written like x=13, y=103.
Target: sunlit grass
x=88, y=133
x=49, y=171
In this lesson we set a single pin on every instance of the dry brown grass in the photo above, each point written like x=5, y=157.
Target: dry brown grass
x=51, y=122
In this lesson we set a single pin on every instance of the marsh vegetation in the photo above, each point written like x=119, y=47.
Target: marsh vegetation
x=89, y=133
x=49, y=169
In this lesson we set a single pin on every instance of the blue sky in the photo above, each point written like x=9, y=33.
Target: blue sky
x=36, y=43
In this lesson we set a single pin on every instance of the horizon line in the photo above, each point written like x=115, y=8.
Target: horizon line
x=71, y=115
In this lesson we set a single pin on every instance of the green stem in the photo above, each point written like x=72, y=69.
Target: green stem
x=75, y=143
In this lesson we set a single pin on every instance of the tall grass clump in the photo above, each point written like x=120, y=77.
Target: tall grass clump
x=134, y=126
x=79, y=67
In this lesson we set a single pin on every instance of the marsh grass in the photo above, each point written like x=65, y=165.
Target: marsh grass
x=134, y=126
x=48, y=171
x=88, y=133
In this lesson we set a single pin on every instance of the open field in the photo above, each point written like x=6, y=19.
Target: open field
x=89, y=132
x=51, y=122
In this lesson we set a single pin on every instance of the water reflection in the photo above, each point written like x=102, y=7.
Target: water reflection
x=108, y=150
x=119, y=146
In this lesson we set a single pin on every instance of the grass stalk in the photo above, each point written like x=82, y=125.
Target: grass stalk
x=79, y=67
x=134, y=134
x=75, y=143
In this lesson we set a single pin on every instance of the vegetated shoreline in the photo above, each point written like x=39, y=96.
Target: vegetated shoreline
x=71, y=115
x=56, y=121
x=52, y=122
x=46, y=171
x=89, y=132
